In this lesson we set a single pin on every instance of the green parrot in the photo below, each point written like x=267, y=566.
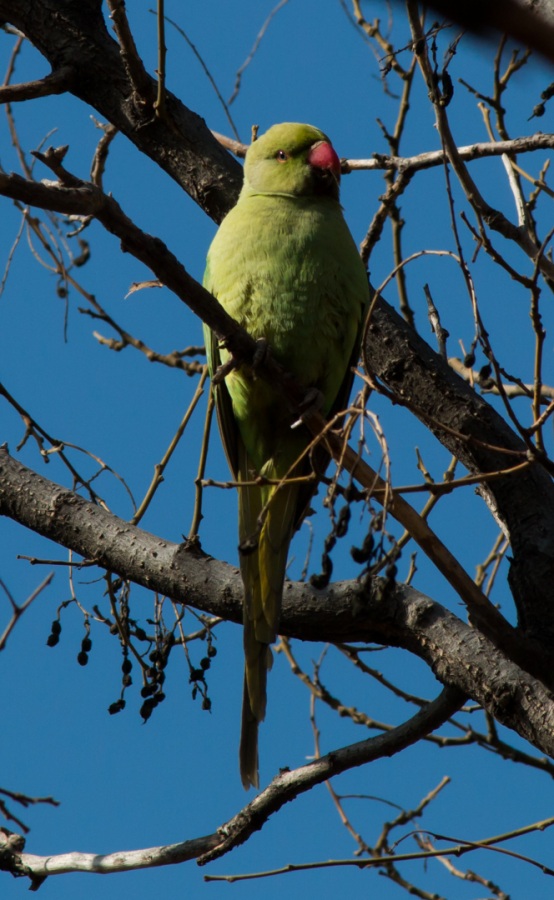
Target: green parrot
x=284, y=265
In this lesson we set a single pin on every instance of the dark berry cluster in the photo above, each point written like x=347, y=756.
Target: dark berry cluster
x=197, y=676
x=340, y=527
x=55, y=631
x=86, y=646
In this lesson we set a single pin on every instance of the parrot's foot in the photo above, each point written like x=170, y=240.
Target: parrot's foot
x=260, y=356
x=248, y=545
x=224, y=369
x=313, y=402
x=261, y=353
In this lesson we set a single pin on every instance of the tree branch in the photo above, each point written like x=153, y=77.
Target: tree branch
x=85, y=198
x=459, y=655
x=19, y=609
x=285, y=787
x=492, y=217
x=432, y=158
x=428, y=160
x=290, y=784
x=37, y=868
x=54, y=83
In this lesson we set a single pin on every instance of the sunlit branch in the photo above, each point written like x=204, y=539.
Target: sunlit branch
x=198, y=482
x=430, y=159
x=488, y=386
x=159, y=102
x=237, y=830
x=101, y=153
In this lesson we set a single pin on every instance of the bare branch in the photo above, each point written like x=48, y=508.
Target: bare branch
x=432, y=158
x=37, y=868
x=284, y=787
x=488, y=385
x=161, y=466
x=257, y=42
x=222, y=140
x=180, y=142
x=379, y=612
x=19, y=609
x=57, y=82
x=461, y=847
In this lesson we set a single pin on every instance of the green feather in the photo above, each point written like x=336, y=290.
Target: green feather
x=285, y=266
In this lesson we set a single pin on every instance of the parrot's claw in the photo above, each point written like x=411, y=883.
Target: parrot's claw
x=223, y=370
x=312, y=402
x=248, y=545
x=261, y=353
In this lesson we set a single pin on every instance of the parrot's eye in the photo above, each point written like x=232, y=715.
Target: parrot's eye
x=282, y=156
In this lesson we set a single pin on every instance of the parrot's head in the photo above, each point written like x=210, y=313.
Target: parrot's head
x=294, y=160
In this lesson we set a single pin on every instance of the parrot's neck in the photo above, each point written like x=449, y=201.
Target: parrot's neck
x=306, y=200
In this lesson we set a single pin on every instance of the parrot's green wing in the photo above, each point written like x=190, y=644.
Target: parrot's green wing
x=320, y=456
x=224, y=409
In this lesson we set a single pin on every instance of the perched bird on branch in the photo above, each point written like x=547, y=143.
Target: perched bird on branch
x=285, y=266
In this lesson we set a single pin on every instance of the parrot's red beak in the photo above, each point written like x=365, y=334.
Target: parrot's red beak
x=323, y=156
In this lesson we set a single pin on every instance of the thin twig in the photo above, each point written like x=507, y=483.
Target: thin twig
x=198, y=483
x=159, y=102
x=19, y=609
x=213, y=83
x=160, y=467
x=257, y=42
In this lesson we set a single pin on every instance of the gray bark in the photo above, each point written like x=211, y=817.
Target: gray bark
x=459, y=655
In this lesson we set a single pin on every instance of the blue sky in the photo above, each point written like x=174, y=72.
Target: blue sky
x=126, y=785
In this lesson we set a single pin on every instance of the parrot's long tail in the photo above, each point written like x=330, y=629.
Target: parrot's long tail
x=263, y=572
x=256, y=656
